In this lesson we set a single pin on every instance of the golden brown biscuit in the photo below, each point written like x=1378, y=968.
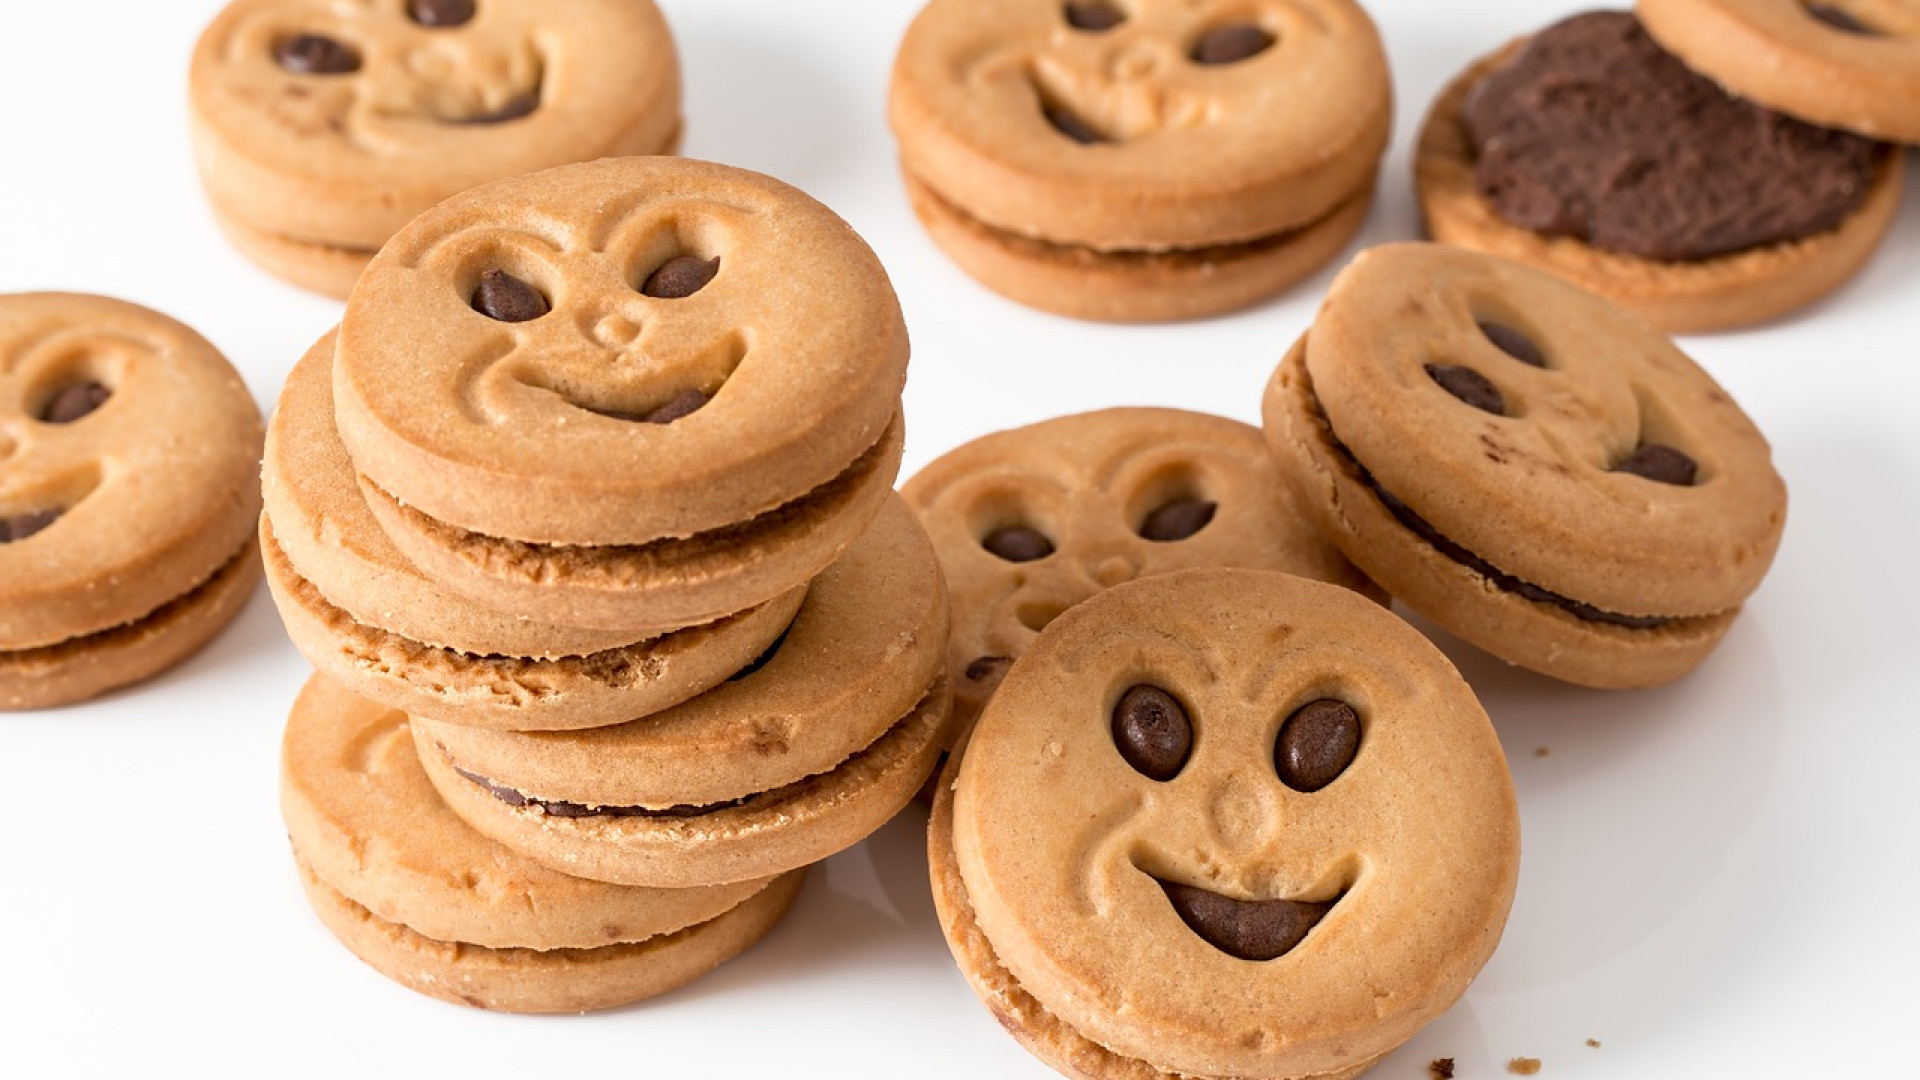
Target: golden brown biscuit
x=1527, y=465
x=1200, y=831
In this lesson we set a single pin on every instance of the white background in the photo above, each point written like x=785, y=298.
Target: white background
x=1719, y=877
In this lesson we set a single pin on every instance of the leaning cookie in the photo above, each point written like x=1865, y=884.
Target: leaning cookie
x=1031, y=521
x=433, y=905
x=1200, y=832
x=320, y=131
x=1140, y=161
x=1651, y=186
x=128, y=451
x=1528, y=466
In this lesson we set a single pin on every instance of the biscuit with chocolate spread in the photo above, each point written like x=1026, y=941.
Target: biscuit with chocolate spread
x=1527, y=465
x=1140, y=161
x=321, y=129
x=1588, y=151
x=129, y=449
x=1204, y=827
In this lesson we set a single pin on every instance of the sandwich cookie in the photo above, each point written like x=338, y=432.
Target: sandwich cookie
x=1528, y=466
x=1225, y=823
x=128, y=454
x=431, y=904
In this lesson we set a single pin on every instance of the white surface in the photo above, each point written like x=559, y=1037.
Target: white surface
x=1718, y=877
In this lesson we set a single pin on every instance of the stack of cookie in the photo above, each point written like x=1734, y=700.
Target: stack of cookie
x=594, y=482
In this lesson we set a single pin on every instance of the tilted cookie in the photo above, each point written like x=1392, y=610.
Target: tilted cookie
x=1139, y=161
x=321, y=128
x=793, y=760
x=1851, y=64
x=1525, y=464
x=365, y=615
x=642, y=392
x=1032, y=521
x=1588, y=151
x=1225, y=823
x=439, y=908
x=128, y=453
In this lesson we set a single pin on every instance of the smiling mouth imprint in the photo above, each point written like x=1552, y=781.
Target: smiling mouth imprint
x=1245, y=929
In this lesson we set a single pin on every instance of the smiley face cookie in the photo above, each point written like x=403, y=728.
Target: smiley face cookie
x=636, y=393
x=1205, y=826
x=1032, y=521
x=437, y=907
x=1528, y=466
x=1140, y=160
x=322, y=128
x=128, y=454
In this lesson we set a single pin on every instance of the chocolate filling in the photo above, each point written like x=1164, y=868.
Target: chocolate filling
x=553, y=808
x=1595, y=132
x=1425, y=531
x=1256, y=930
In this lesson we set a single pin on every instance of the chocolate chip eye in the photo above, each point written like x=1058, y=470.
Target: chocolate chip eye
x=1841, y=20
x=1469, y=386
x=1152, y=732
x=74, y=402
x=1660, y=464
x=1095, y=15
x=21, y=526
x=1514, y=344
x=986, y=667
x=1177, y=520
x=440, y=13
x=680, y=278
x=316, y=54
x=1316, y=744
x=506, y=298
x=1018, y=543
x=1070, y=125
x=1231, y=44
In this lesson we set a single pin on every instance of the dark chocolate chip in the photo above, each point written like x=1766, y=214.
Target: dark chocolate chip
x=1316, y=744
x=1152, y=732
x=512, y=109
x=1245, y=929
x=1177, y=520
x=440, y=13
x=684, y=403
x=1660, y=464
x=1841, y=19
x=1094, y=15
x=1514, y=343
x=316, y=54
x=502, y=296
x=1017, y=543
x=985, y=667
x=74, y=402
x=680, y=278
x=1072, y=126
x=1231, y=44
x=1469, y=386
x=21, y=526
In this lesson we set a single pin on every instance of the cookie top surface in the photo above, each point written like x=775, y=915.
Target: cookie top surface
x=1150, y=123
x=363, y=113
x=129, y=455
x=1850, y=64
x=1592, y=130
x=361, y=811
x=1546, y=431
x=616, y=352
x=1302, y=853
x=1032, y=521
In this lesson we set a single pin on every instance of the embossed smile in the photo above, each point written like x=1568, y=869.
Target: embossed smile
x=1245, y=929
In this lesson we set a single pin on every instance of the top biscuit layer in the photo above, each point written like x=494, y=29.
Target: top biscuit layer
x=1167, y=151
x=543, y=424
x=129, y=456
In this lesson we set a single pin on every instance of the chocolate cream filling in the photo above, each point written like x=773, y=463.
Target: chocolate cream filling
x=1593, y=131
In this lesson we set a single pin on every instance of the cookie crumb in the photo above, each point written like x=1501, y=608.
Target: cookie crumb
x=1543, y=752
x=1440, y=1068
x=1595, y=1043
x=1523, y=1066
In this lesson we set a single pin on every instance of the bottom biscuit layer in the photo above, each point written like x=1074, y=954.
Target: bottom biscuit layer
x=554, y=981
x=1135, y=286
x=88, y=666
